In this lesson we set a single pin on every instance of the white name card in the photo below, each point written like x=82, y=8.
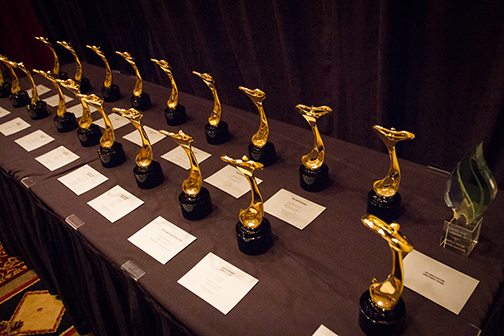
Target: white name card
x=230, y=180
x=116, y=120
x=3, y=112
x=115, y=203
x=34, y=140
x=54, y=100
x=57, y=158
x=13, y=126
x=153, y=135
x=82, y=179
x=179, y=157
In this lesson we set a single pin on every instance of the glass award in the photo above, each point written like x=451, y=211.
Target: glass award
x=18, y=97
x=84, y=84
x=140, y=100
x=382, y=310
x=5, y=86
x=469, y=191
x=110, y=92
x=55, y=72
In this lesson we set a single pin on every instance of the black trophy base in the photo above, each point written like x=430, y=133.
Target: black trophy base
x=89, y=136
x=113, y=156
x=254, y=241
x=176, y=116
x=62, y=75
x=111, y=94
x=196, y=207
x=142, y=102
x=375, y=321
x=65, y=123
x=216, y=135
x=150, y=176
x=387, y=209
x=5, y=90
x=265, y=155
x=38, y=110
x=314, y=180
x=19, y=99
x=85, y=86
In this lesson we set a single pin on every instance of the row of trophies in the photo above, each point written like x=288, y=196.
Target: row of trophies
x=470, y=188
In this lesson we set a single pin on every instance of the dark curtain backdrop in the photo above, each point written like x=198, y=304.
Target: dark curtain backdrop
x=435, y=68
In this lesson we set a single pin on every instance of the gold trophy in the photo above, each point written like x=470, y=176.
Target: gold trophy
x=260, y=150
x=111, y=152
x=253, y=230
x=314, y=173
x=89, y=134
x=194, y=200
x=56, y=73
x=84, y=84
x=140, y=100
x=217, y=131
x=148, y=173
x=5, y=87
x=382, y=310
x=383, y=200
x=18, y=97
x=175, y=113
x=64, y=121
x=110, y=92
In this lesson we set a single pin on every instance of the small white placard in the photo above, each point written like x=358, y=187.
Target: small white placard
x=116, y=120
x=115, y=203
x=230, y=180
x=13, y=126
x=41, y=89
x=218, y=282
x=57, y=158
x=324, y=331
x=34, y=140
x=161, y=239
x=82, y=179
x=54, y=100
x=77, y=110
x=439, y=283
x=3, y=112
x=293, y=209
x=153, y=135
x=179, y=156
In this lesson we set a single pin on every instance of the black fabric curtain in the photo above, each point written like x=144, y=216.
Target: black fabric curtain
x=434, y=68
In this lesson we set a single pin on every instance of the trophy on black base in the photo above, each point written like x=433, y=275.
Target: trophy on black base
x=175, y=113
x=89, y=134
x=383, y=200
x=314, y=173
x=111, y=153
x=56, y=73
x=18, y=97
x=382, y=310
x=110, y=92
x=260, y=150
x=195, y=201
x=253, y=231
x=5, y=87
x=217, y=131
x=148, y=173
x=84, y=84
x=37, y=108
x=140, y=100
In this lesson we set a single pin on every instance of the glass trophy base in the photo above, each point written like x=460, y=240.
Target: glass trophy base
x=89, y=136
x=113, y=156
x=265, y=155
x=461, y=237
x=65, y=123
x=38, y=110
x=111, y=94
x=150, y=176
x=19, y=99
x=62, y=75
x=196, y=207
x=375, y=321
x=85, y=86
x=5, y=90
x=175, y=116
x=216, y=135
x=254, y=241
x=387, y=209
x=142, y=102
x=314, y=180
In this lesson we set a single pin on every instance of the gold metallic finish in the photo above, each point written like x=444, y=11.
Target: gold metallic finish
x=56, y=60
x=386, y=294
x=389, y=185
x=257, y=96
x=315, y=158
x=215, y=117
x=108, y=137
x=137, y=91
x=251, y=217
x=192, y=185
x=173, y=100
x=108, y=76
x=85, y=121
x=15, y=88
x=61, y=104
x=144, y=158
x=78, y=72
x=35, y=97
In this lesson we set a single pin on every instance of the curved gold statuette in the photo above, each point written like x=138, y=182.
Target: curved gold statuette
x=108, y=138
x=78, y=72
x=56, y=68
x=215, y=117
x=17, y=96
x=108, y=76
x=144, y=158
x=173, y=100
x=257, y=96
x=72, y=86
x=61, y=103
x=137, y=91
x=35, y=97
x=15, y=81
